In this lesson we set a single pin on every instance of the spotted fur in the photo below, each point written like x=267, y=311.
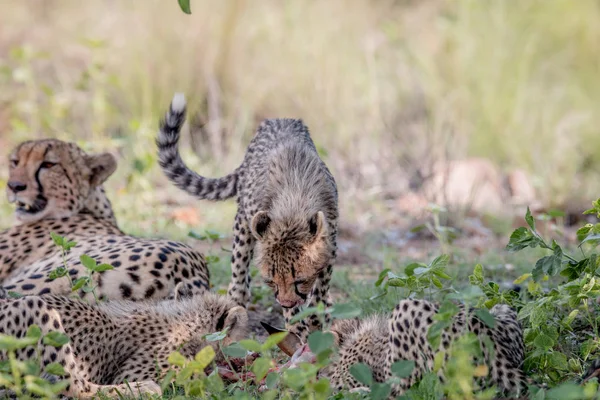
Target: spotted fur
x=61, y=185
x=120, y=341
x=380, y=341
x=287, y=210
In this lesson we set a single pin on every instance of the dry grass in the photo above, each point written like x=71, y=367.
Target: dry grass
x=385, y=86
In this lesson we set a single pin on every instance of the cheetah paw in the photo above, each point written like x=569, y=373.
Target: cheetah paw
x=146, y=387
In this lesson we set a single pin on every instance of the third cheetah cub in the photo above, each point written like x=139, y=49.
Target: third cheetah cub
x=287, y=208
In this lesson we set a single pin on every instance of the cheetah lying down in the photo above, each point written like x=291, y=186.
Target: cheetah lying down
x=57, y=187
x=120, y=341
x=380, y=341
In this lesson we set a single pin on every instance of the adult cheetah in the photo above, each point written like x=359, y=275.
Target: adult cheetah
x=120, y=341
x=287, y=208
x=381, y=340
x=57, y=188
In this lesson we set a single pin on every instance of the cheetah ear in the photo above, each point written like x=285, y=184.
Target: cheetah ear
x=181, y=291
x=259, y=224
x=102, y=166
x=234, y=318
x=290, y=343
x=317, y=225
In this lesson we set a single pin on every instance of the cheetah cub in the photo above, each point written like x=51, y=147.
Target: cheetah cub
x=120, y=341
x=287, y=208
x=381, y=340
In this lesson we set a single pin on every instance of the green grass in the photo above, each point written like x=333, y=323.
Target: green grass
x=384, y=86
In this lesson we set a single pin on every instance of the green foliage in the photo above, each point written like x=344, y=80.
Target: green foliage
x=556, y=316
x=84, y=283
x=417, y=277
x=185, y=6
x=24, y=377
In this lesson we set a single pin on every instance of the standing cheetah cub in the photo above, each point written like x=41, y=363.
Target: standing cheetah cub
x=120, y=341
x=287, y=208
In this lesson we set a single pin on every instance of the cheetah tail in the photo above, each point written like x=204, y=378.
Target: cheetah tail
x=175, y=169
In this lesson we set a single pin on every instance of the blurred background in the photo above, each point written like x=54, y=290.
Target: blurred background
x=480, y=107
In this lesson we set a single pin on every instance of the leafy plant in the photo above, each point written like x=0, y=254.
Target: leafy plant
x=24, y=378
x=561, y=327
x=84, y=283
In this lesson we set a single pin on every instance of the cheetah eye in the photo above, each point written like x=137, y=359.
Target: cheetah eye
x=270, y=283
x=47, y=164
x=14, y=163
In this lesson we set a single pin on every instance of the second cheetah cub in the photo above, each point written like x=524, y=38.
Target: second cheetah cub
x=287, y=210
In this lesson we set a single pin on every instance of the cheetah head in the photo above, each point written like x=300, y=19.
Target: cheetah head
x=53, y=179
x=291, y=254
x=224, y=315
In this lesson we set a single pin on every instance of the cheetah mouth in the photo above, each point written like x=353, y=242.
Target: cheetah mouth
x=36, y=207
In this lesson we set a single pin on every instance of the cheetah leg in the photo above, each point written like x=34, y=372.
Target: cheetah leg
x=87, y=390
x=241, y=254
x=408, y=328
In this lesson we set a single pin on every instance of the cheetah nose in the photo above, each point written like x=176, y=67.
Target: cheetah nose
x=16, y=186
x=289, y=303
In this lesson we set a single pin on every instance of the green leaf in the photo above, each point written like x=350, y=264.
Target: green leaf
x=319, y=310
x=260, y=367
x=88, y=262
x=434, y=333
x=584, y=231
x=103, y=267
x=440, y=261
x=235, y=350
x=345, y=311
x=272, y=341
x=522, y=238
x=478, y=272
x=216, y=336
x=8, y=342
x=409, y=270
x=272, y=379
x=591, y=238
x=382, y=276
x=213, y=235
x=403, y=368
x=79, y=283
x=556, y=213
x=319, y=341
x=34, y=332
x=196, y=235
x=529, y=219
x=543, y=342
x=437, y=282
x=15, y=295
x=57, y=239
x=251, y=345
x=566, y=391
x=185, y=6
x=362, y=373
x=205, y=357
x=486, y=317
x=55, y=369
x=55, y=339
x=380, y=391
x=558, y=361
x=322, y=387
x=58, y=272
x=522, y=279
x=548, y=265
x=176, y=358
